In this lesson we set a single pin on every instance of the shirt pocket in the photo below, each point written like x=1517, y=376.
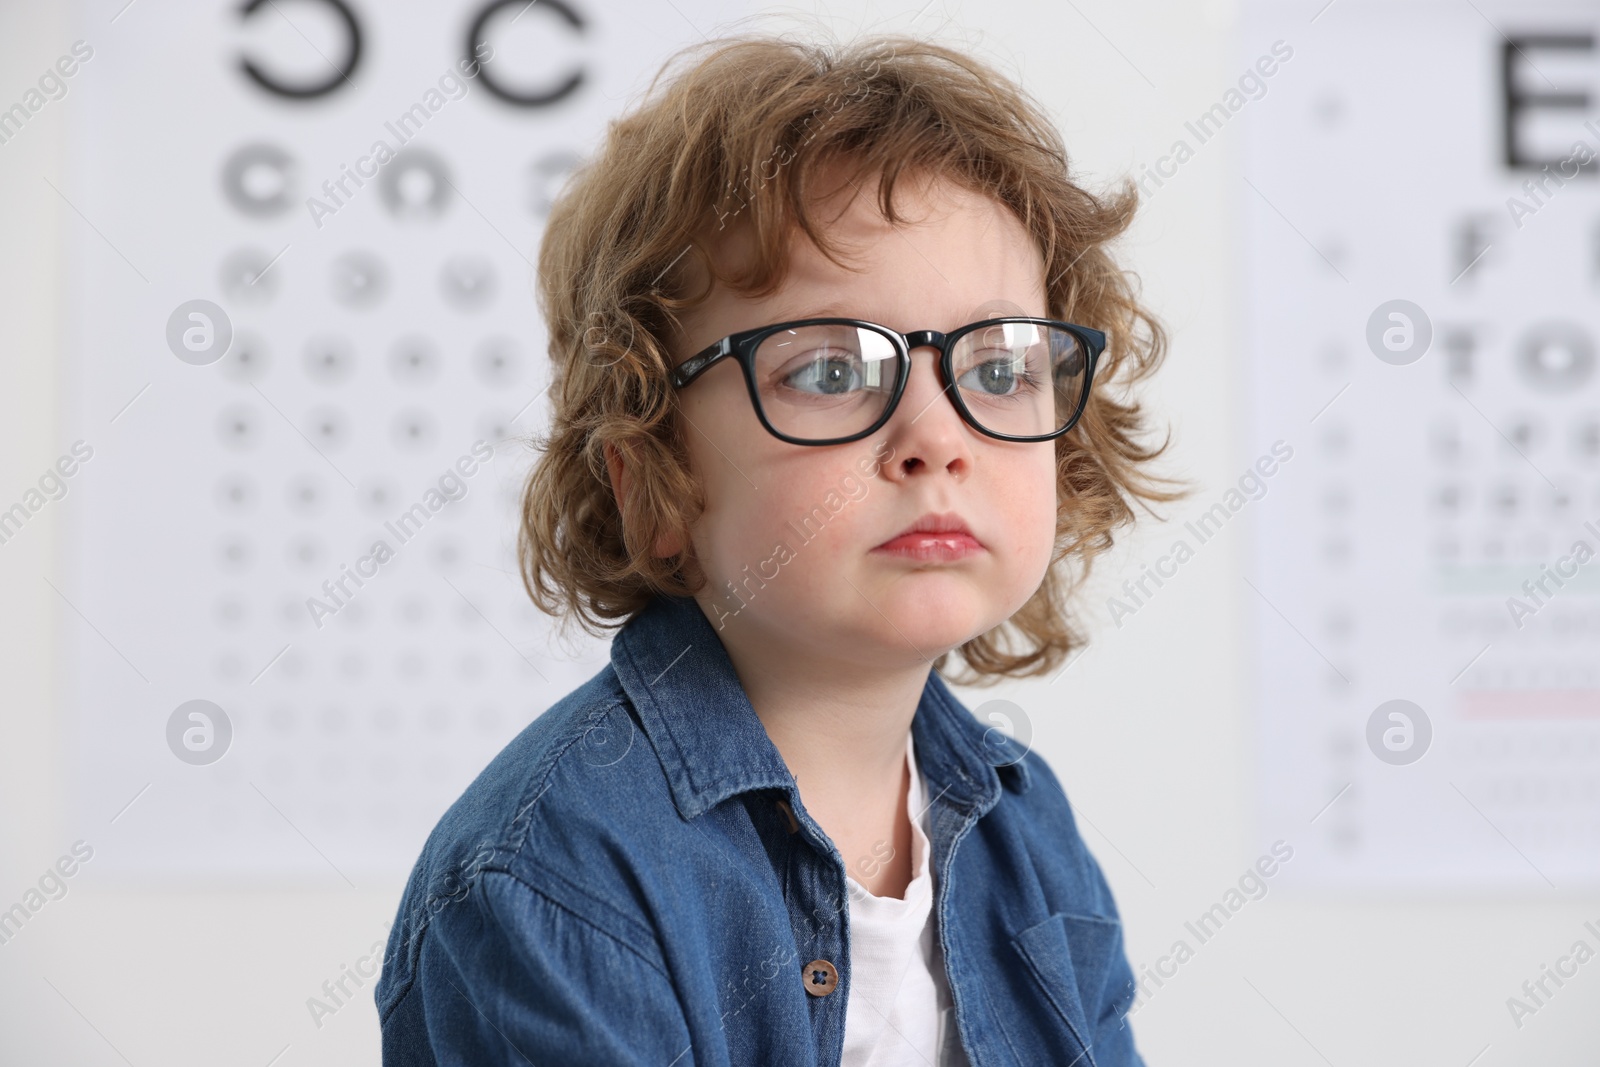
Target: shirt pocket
x=1070, y=957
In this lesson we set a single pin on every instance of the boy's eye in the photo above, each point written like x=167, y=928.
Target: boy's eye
x=1008, y=361
x=829, y=372
x=1003, y=375
x=809, y=364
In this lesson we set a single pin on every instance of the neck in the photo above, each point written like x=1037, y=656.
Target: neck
x=841, y=726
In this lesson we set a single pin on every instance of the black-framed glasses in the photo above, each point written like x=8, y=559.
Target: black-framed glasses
x=830, y=381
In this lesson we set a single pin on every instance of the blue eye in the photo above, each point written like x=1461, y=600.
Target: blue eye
x=1002, y=376
x=824, y=362
x=827, y=373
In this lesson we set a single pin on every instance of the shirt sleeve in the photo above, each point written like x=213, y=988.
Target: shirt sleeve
x=508, y=975
x=1111, y=1039
x=1113, y=1035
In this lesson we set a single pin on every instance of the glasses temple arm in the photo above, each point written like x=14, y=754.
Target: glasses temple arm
x=695, y=365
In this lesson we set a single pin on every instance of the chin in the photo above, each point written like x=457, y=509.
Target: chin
x=940, y=609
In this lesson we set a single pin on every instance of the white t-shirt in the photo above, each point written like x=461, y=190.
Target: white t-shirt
x=900, y=1012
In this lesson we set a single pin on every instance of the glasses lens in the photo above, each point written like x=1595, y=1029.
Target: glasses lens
x=825, y=381
x=1021, y=378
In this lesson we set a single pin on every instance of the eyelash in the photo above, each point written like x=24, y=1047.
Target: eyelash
x=1027, y=381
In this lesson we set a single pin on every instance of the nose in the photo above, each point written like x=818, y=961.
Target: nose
x=926, y=431
x=923, y=381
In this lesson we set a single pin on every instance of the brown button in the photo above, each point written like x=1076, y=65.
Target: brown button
x=788, y=812
x=820, y=978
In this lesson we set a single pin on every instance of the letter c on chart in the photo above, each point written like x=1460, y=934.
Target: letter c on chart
x=342, y=69
x=475, y=37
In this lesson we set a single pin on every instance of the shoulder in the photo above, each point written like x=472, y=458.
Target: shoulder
x=1048, y=825
x=570, y=741
x=568, y=794
x=1071, y=931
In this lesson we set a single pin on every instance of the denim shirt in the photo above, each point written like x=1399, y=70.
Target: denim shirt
x=634, y=880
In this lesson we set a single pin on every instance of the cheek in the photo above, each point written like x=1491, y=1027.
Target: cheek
x=733, y=459
x=810, y=509
x=719, y=534
x=1029, y=504
x=807, y=501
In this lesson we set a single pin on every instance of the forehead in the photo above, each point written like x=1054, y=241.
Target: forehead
x=953, y=254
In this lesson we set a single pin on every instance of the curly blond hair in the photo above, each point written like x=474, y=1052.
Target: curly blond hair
x=736, y=140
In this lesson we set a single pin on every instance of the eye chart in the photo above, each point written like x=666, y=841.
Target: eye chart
x=1422, y=212
x=293, y=625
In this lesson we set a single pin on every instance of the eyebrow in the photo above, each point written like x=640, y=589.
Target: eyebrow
x=827, y=311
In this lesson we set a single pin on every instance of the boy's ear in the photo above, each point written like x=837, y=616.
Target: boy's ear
x=619, y=473
x=621, y=479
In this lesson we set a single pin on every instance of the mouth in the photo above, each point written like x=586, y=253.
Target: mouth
x=935, y=537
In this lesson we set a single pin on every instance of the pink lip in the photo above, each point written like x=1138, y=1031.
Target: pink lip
x=932, y=546
x=936, y=536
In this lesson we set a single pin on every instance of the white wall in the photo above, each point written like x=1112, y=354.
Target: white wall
x=1151, y=732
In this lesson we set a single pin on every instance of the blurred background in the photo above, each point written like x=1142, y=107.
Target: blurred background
x=1335, y=741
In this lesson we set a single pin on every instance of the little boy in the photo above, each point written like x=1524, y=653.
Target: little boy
x=824, y=326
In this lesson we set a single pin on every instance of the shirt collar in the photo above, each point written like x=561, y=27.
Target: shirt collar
x=694, y=711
